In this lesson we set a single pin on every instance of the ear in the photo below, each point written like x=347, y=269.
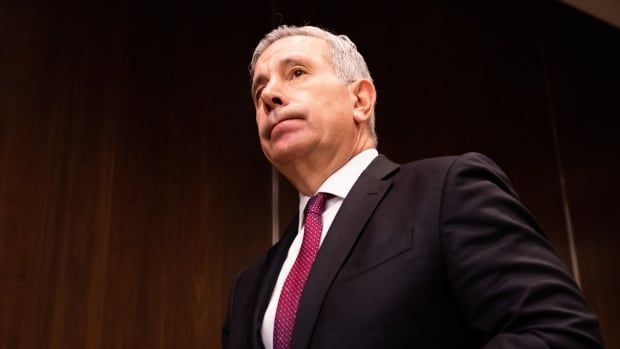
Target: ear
x=365, y=96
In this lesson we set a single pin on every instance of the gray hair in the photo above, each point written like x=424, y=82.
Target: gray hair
x=348, y=63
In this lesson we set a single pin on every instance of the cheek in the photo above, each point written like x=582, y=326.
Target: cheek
x=260, y=122
x=338, y=100
x=340, y=115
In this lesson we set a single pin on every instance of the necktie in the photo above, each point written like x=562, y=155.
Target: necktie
x=296, y=279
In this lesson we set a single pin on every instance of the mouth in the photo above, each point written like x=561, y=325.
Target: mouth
x=279, y=118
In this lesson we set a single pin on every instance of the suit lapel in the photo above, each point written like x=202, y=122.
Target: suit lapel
x=273, y=263
x=348, y=224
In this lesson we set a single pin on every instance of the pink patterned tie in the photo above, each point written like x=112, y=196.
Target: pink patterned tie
x=296, y=279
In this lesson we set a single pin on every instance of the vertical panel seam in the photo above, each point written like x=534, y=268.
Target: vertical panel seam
x=556, y=146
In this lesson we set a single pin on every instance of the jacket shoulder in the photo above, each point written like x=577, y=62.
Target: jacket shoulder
x=444, y=162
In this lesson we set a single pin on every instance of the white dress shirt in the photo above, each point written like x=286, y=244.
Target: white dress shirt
x=338, y=184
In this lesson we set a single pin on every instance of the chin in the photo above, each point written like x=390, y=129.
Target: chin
x=285, y=155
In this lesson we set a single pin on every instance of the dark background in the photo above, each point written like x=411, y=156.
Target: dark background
x=133, y=188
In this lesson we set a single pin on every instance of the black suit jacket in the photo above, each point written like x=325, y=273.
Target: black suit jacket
x=437, y=253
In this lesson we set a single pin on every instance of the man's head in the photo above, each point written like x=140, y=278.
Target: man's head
x=313, y=95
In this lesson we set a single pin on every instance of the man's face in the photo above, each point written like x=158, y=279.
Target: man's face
x=303, y=109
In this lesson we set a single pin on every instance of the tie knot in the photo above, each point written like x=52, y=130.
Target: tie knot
x=316, y=204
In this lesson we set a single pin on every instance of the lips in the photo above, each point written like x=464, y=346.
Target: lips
x=276, y=117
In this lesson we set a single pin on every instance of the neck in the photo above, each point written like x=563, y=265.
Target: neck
x=307, y=174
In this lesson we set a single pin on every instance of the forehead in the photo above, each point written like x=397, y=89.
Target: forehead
x=293, y=46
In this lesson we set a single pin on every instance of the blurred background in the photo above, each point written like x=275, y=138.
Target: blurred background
x=133, y=188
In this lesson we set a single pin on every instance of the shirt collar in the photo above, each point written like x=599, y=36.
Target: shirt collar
x=340, y=182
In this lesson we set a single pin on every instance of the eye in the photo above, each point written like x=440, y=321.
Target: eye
x=298, y=72
x=257, y=94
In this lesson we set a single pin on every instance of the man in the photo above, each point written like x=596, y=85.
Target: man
x=437, y=253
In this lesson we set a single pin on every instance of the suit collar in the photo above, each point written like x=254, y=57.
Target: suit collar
x=355, y=211
x=271, y=268
x=381, y=167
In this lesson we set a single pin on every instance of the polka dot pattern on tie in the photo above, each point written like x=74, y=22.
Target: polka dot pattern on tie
x=296, y=279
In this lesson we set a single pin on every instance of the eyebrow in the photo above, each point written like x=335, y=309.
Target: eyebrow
x=287, y=62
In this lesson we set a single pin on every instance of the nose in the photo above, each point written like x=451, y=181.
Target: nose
x=272, y=97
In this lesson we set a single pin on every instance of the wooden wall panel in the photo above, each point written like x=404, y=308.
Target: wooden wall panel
x=584, y=75
x=132, y=187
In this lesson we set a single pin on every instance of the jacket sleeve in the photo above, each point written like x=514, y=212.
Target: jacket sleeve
x=511, y=287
